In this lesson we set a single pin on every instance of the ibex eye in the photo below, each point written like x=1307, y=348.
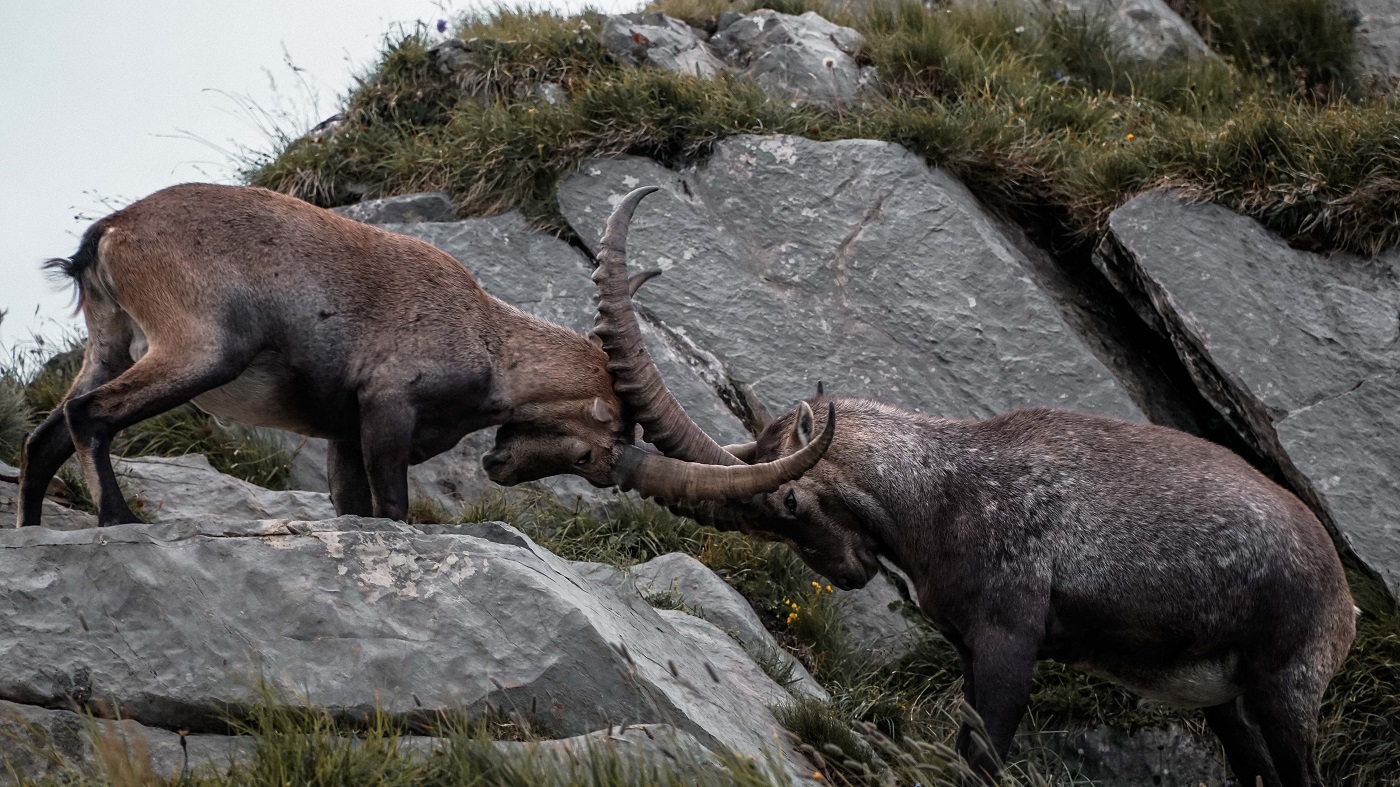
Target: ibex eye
x=790, y=500
x=585, y=459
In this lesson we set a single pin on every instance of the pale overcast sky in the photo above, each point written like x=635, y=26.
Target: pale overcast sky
x=99, y=101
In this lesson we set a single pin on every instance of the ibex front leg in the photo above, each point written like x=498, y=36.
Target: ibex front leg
x=386, y=440
x=154, y=384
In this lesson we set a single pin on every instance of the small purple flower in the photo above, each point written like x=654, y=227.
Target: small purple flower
x=442, y=25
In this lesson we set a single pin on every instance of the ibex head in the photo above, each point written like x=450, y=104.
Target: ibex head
x=594, y=437
x=822, y=516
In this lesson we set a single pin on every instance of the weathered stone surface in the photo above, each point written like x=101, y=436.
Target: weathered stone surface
x=1377, y=38
x=662, y=41
x=879, y=621
x=1143, y=31
x=707, y=596
x=167, y=489
x=54, y=515
x=38, y=742
x=797, y=58
x=1299, y=352
x=428, y=206
x=174, y=623
x=1170, y=756
x=794, y=261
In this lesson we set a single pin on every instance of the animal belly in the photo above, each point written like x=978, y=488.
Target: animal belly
x=1199, y=684
x=259, y=397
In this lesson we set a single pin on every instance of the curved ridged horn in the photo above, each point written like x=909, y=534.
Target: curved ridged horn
x=636, y=379
x=653, y=475
x=729, y=516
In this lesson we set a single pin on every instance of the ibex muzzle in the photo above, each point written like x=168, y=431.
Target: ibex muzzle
x=264, y=309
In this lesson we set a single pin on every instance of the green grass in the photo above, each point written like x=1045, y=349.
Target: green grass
x=1049, y=124
x=314, y=750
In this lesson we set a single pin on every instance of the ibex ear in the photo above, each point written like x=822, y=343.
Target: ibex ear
x=802, y=426
x=820, y=392
x=594, y=339
x=601, y=410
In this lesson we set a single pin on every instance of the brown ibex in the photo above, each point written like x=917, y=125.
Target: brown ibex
x=1142, y=554
x=267, y=310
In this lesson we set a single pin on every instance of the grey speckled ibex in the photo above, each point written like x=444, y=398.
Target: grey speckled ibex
x=267, y=310
x=1144, y=555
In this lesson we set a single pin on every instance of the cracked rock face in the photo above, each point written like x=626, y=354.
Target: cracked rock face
x=853, y=262
x=1300, y=352
x=1144, y=31
x=662, y=41
x=174, y=624
x=797, y=58
x=1377, y=38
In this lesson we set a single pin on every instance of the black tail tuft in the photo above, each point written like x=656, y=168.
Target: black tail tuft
x=82, y=261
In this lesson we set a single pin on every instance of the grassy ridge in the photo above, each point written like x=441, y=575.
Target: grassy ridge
x=1040, y=117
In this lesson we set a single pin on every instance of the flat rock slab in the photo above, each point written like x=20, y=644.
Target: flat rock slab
x=1377, y=38
x=793, y=261
x=169, y=489
x=1300, y=352
x=176, y=623
x=706, y=595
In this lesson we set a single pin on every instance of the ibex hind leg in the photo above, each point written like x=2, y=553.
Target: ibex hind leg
x=50, y=444
x=1286, y=704
x=1244, y=744
x=161, y=380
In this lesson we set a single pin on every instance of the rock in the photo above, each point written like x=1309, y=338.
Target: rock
x=168, y=489
x=1377, y=38
x=37, y=742
x=1145, y=32
x=792, y=261
x=1299, y=352
x=175, y=623
x=54, y=515
x=877, y=619
x=662, y=41
x=1170, y=756
x=707, y=596
x=797, y=58
x=429, y=206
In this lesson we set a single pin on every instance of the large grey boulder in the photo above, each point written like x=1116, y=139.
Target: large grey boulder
x=1299, y=352
x=168, y=489
x=1377, y=38
x=662, y=41
x=407, y=208
x=39, y=742
x=706, y=595
x=792, y=261
x=1146, y=32
x=880, y=622
x=548, y=278
x=175, y=624
x=797, y=58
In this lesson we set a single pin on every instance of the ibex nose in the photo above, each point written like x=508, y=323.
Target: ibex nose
x=492, y=461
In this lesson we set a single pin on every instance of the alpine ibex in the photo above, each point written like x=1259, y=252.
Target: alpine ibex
x=267, y=310
x=1142, y=554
